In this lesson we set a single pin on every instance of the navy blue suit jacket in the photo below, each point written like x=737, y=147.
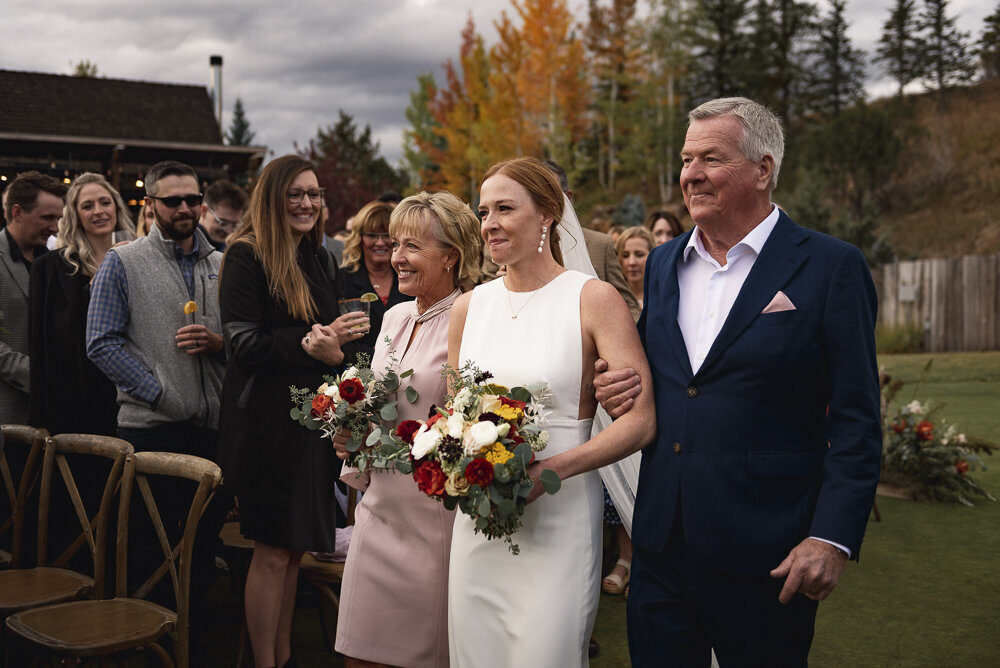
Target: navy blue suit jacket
x=778, y=436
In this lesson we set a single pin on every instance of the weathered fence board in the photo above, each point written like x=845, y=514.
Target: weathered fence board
x=957, y=301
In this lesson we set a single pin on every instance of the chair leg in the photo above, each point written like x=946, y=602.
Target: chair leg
x=329, y=606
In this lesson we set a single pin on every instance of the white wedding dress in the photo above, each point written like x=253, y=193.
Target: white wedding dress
x=537, y=608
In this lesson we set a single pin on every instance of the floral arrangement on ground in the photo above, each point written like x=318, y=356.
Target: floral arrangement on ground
x=474, y=453
x=928, y=456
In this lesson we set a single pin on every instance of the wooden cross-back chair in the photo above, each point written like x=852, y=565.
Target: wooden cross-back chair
x=54, y=581
x=19, y=460
x=102, y=627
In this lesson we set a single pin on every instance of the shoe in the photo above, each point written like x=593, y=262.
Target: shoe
x=615, y=584
x=593, y=648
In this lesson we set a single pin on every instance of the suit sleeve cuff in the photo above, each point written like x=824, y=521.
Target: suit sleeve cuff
x=836, y=545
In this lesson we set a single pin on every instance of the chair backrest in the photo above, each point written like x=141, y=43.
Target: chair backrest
x=20, y=457
x=139, y=468
x=80, y=462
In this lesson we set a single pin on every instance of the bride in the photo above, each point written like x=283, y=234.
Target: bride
x=540, y=323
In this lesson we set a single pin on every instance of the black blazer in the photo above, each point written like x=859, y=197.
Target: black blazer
x=68, y=393
x=260, y=446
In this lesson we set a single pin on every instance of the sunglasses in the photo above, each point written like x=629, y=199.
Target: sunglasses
x=174, y=201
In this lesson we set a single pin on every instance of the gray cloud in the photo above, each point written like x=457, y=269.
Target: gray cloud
x=295, y=64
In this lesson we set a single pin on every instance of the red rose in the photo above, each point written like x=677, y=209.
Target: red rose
x=479, y=472
x=898, y=426
x=925, y=430
x=962, y=466
x=513, y=403
x=406, y=430
x=319, y=405
x=430, y=478
x=351, y=390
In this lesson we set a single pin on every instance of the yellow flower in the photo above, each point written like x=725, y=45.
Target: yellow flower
x=497, y=454
x=509, y=413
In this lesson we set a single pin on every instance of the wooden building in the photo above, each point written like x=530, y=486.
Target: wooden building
x=64, y=125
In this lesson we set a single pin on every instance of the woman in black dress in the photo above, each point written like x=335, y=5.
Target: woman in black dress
x=366, y=269
x=68, y=393
x=277, y=286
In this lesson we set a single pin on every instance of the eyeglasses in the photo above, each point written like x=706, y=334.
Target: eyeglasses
x=228, y=224
x=315, y=196
x=174, y=201
x=376, y=237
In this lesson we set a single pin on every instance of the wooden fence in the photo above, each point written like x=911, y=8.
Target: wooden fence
x=956, y=300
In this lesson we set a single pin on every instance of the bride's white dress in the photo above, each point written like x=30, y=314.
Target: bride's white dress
x=537, y=608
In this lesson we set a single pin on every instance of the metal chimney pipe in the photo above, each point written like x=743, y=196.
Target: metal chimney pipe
x=216, y=64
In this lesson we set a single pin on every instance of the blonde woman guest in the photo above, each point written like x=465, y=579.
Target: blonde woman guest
x=366, y=268
x=278, y=299
x=633, y=246
x=59, y=297
x=393, y=605
x=146, y=220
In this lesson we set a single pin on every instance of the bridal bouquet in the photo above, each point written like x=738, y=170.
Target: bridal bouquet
x=474, y=453
x=355, y=400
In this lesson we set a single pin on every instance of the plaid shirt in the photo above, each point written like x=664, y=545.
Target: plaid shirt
x=107, y=320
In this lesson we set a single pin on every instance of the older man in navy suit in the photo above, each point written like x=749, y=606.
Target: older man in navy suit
x=760, y=335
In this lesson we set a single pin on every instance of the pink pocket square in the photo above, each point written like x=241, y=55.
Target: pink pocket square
x=781, y=302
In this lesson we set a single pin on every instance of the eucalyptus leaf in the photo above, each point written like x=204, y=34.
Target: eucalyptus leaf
x=550, y=481
x=341, y=410
x=483, y=507
x=295, y=413
x=501, y=472
x=405, y=466
x=391, y=382
x=523, y=450
x=406, y=374
x=481, y=523
x=411, y=394
x=506, y=507
x=373, y=437
x=353, y=444
x=388, y=412
x=521, y=394
x=450, y=502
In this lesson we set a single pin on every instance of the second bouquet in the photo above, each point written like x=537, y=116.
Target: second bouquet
x=474, y=453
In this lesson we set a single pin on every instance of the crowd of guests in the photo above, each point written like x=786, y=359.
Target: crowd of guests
x=182, y=333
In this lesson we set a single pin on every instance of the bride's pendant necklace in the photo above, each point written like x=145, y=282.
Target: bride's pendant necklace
x=510, y=302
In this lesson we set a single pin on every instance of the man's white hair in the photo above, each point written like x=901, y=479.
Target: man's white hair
x=762, y=134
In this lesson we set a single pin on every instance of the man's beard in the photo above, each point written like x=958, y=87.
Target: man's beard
x=169, y=227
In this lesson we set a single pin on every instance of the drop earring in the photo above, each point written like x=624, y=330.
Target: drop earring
x=541, y=244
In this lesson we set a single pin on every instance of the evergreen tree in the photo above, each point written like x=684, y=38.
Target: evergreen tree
x=946, y=57
x=422, y=146
x=239, y=133
x=899, y=48
x=85, y=69
x=989, y=45
x=781, y=31
x=837, y=69
x=722, y=50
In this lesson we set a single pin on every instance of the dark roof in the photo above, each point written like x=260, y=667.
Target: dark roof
x=55, y=104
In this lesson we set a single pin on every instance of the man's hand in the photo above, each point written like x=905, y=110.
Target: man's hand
x=195, y=339
x=812, y=568
x=615, y=390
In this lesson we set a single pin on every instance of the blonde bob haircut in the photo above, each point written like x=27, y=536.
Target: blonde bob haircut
x=79, y=253
x=450, y=222
x=543, y=188
x=265, y=228
x=631, y=233
x=373, y=218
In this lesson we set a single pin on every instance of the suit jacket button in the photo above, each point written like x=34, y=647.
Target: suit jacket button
x=677, y=448
x=692, y=392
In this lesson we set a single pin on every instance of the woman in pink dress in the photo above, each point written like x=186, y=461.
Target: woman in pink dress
x=394, y=599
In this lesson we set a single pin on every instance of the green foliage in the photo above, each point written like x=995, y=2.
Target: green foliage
x=722, y=49
x=837, y=69
x=899, y=339
x=988, y=46
x=85, y=69
x=239, y=133
x=946, y=58
x=630, y=211
x=900, y=47
x=421, y=139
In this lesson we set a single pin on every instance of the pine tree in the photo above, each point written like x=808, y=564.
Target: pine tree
x=989, y=45
x=722, y=50
x=837, y=69
x=85, y=69
x=239, y=133
x=946, y=56
x=422, y=144
x=899, y=48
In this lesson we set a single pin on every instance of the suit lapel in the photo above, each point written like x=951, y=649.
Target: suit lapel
x=669, y=298
x=779, y=260
x=16, y=270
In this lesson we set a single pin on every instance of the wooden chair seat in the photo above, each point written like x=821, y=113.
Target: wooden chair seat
x=321, y=572
x=32, y=587
x=88, y=628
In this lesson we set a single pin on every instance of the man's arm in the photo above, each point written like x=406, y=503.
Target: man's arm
x=107, y=320
x=14, y=367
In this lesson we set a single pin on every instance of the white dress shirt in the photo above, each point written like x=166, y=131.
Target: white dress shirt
x=708, y=291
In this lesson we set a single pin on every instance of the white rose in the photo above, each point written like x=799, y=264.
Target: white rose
x=503, y=429
x=350, y=373
x=333, y=392
x=456, y=425
x=479, y=435
x=915, y=408
x=323, y=388
x=424, y=441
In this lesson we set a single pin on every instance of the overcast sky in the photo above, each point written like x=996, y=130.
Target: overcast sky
x=295, y=64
